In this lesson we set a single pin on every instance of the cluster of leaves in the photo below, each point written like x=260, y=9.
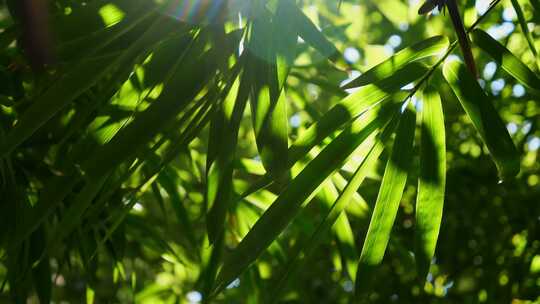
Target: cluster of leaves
x=212, y=140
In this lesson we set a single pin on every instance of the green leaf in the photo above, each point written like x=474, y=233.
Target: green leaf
x=8, y=36
x=271, y=127
x=386, y=206
x=434, y=46
x=55, y=191
x=352, y=106
x=310, y=33
x=344, y=237
x=179, y=89
x=168, y=179
x=508, y=61
x=60, y=94
x=525, y=29
x=74, y=83
x=372, y=149
x=290, y=201
x=222, y=146
x=150, y=236
x=394, y=10
x=94, y=42
x=357, y=207
x=220, y=162
x=484, y=117
x=268, y=101
x=431, y=182
x=285, y=41
x=74, y=214
x=346, y=110
x=123, y=146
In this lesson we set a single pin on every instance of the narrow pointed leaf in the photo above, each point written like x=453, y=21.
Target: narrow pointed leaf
x=310, y=33
x=288, y=204
x=348, y=109
x=149, y=235
x=508, y=61
x=75, y=82
x=484, y=117
x=525, y=29
x=223, y=139
x=374, y=150
x=431, y=182
x=74, y=214
x=179, y=90
x=285, y=41
x=168, y=179
x=344, y=237
x=68, y=87
x=352, y=106
x=55, y=191
x=268, y=102
x=387, y=203
x=434, y=46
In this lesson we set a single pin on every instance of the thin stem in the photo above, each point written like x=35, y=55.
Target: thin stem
x=450, y=49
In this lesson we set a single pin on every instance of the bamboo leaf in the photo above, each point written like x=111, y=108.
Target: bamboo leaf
x=94, y=42
x=55, y=191
x=42, y=280
x=525, y=29
x=160, y=114
x=431, y=182
x=508, y=61
x=344, y=237
x=394, y=10
x=285, y=40
x=268, y=102
x=75, y=212
x=352, y=106
x=485, y=119
x=373, y=149
x=169, y=180
x=123, y=146
x=270, y=116
x=149, y=235
x=434, y=46
x=70, y=86
x=290, y=201
x=75, y=82
x=223, y=139
x=310, y=33
x=346, y=110
x=386, y=206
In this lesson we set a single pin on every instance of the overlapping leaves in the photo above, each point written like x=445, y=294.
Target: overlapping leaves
x=182, y=77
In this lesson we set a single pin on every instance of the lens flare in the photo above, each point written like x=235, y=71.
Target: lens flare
x=198, y=11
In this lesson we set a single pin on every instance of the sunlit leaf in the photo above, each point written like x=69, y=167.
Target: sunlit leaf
x=525, y=29
x=485, y=118
x=508, y=61
x=386, y=206
x=223, y=138
x=348, y=109
x=373, y=149
x=430, y=47
x=75, y=82
x=268, y=101
x=290, y=201
x=310, y=33
x=431, y=182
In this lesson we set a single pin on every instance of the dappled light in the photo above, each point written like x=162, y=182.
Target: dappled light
x=280, y=151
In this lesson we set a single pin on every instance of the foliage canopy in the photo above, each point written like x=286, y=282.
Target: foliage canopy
x=185, y=151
